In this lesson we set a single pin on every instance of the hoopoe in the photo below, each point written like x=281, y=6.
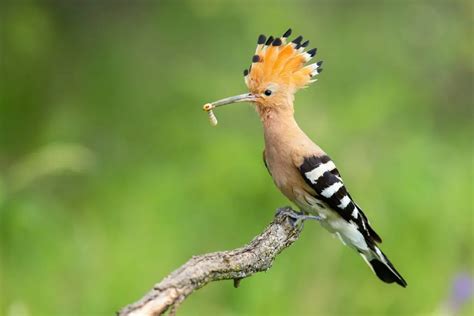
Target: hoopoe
x=302, y=171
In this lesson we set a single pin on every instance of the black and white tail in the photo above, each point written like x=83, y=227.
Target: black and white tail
x=382, y=267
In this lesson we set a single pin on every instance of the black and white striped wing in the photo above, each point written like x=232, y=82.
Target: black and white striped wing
x=321, y=174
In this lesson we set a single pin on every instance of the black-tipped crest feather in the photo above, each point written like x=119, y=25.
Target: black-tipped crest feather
x=261, y=39
x=298, y=40
x=312, y=52
x=269, y=40
x=276, y=42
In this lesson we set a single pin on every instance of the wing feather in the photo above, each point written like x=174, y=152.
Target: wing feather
x=321, y=174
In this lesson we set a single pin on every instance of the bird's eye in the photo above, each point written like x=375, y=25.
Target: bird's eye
x=268, y=92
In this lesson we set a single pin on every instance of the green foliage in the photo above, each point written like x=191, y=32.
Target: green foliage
x=111, y=177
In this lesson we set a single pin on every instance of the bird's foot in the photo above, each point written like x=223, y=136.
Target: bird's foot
x=297, y=218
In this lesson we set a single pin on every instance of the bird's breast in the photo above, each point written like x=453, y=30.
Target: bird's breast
x=285, y=175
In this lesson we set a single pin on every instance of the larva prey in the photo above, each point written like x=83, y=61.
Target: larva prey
x=210, y=114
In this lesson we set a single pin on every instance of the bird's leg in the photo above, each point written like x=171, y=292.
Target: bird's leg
x=297, y=217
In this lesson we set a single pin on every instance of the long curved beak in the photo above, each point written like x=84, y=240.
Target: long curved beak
x=246, y=97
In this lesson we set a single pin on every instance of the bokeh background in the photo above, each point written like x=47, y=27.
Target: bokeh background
x=111, y=177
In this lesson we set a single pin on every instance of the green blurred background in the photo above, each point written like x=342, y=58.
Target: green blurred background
x=111, y=177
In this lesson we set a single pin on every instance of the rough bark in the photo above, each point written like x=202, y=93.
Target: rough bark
x=235, y=264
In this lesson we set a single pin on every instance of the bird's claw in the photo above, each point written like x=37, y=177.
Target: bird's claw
x=297, y=217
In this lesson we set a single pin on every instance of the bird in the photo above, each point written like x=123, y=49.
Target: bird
x=300, y=169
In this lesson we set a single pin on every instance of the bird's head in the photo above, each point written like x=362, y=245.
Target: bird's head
x=277, y=71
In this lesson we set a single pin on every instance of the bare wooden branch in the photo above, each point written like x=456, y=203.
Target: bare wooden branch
x=235, y=264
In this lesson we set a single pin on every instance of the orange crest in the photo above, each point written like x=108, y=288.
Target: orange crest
x=276, y=61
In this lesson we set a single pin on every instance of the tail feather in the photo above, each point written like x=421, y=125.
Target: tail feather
x=382, y=267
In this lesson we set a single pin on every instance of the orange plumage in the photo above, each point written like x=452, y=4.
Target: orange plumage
x=278, y=62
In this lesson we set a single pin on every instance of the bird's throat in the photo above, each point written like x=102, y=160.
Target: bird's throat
x=270, y=114
x=279, y=125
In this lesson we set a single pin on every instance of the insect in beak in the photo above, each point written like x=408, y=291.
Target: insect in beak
x=208, y=107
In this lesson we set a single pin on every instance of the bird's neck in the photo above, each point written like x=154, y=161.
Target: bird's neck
x=279, y=125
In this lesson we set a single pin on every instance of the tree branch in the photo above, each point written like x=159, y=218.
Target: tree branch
x=235, y=264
